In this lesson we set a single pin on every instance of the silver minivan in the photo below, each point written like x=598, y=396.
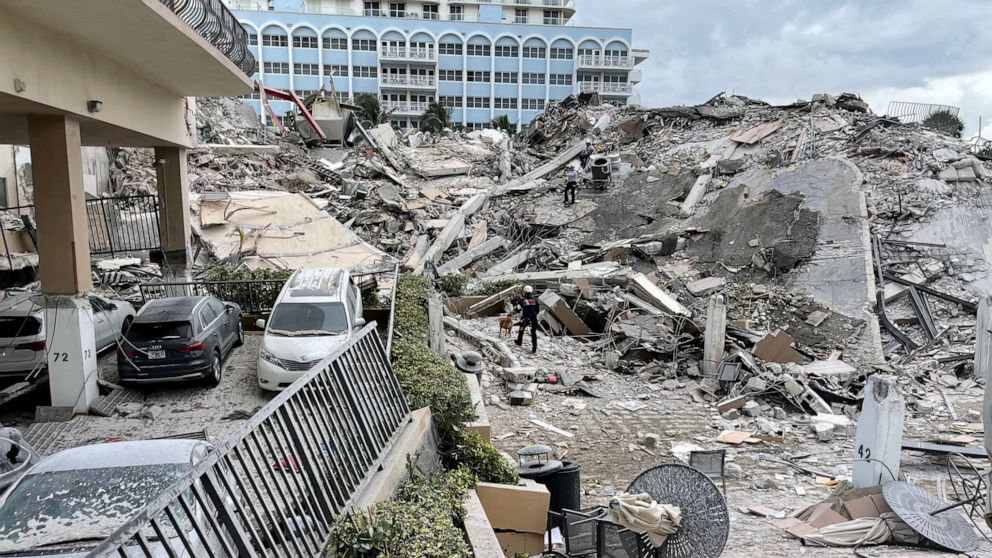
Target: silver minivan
x=318, y=310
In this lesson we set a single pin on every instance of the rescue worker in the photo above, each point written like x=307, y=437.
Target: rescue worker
x=586, y=154
x=571, y=183
x=528, y=307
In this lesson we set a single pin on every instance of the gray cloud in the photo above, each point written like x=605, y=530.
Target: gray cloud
x=781, y=50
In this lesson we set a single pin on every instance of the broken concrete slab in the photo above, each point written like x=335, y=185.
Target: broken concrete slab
x=777, y=347
x=655, y=295
x=715, y=336
x=694, y=196
x=554, y=304
x=466, y=258
x=706, y=286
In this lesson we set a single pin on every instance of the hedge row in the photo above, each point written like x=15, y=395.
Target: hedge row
x=424, y=520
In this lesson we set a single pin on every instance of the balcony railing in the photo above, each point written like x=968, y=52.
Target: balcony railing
x=411, y=53
x=404, y=107
x=544, y=3
x=607, y=87
x=599, y=61
x=215, y=23
x=409, y=81
x=555, y=21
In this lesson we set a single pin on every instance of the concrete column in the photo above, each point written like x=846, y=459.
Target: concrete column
x=879, y=438
x=715, y=336
x=983, y=366
x=60, y=205
x=173, y=195
x=71, y=344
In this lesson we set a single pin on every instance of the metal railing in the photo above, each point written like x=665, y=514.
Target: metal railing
x=408, y=53
x=411, y=81
x=115, y=225
x=276, y=486
x=405, y=107
x=917, y=112
x=605, y=87
x=599, y=61
x=215, y=23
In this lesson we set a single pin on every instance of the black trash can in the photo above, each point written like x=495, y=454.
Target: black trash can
x=564, y=486
x=601, y=168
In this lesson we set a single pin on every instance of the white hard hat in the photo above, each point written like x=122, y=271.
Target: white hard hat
x=528, y=289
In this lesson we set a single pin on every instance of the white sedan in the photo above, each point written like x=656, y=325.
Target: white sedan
x=22, y=330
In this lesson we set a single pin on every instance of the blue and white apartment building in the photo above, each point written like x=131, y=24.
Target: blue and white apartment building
x=481, y=58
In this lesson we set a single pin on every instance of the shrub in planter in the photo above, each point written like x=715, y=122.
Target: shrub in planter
x=469, y=449
x=423, y=521
x=453, y=284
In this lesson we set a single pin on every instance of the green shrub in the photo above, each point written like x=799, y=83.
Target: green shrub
x=492, y=287
x=946, y=122
x=431, y=381
x=469, y=449
x=422, y=521
x=453, y=284
x=262, y=295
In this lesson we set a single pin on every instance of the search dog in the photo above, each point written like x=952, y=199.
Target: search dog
x=506, y=326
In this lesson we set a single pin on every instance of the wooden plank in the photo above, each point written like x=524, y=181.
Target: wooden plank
x=758, y=133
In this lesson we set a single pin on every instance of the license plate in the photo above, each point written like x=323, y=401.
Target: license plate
x=156, y=354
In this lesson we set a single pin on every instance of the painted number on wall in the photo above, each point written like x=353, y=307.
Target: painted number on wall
x=864, y=453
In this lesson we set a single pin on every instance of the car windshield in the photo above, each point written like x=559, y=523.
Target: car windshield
x=159, y=331
x=19, y=327
x=308, y=318
x=65, y=506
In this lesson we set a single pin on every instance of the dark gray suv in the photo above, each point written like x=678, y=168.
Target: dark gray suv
x=181, y=338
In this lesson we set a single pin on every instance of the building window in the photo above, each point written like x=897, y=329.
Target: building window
x=252, y=95
x=336, y=70
x=288, y=121
x=335, y=43
x=430, y=11
x=616, y=53
x=507, y=51
x=588, y=52
x=450, y=48
x=449, y=75
x=477, y=102
x=560, y=79
x=372, y=9
x=304, y=42
x=363, y=44
x=520, y=15
x=252, y=39
x=533, y=104
x=505, y=77
x=397, y=9
x=450, y=102
x=533, y=79
x=534, y=52
x=505, y=103
x=561, y=54
x=275, y=40
x=366, y=71
x=304, y=93
x=479, y=50
x=276, y=68
x=456, y=13
x=553, y=17
x=476, y=76
x=306, y=69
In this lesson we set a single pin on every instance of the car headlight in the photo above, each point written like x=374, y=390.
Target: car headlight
x=268, y=357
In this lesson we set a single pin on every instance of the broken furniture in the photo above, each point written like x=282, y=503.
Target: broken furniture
x=711, y=464
x=702, y=532
x=930, y=516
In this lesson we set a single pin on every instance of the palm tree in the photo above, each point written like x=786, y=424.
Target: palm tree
x=502, y=122
x=436, y=118
x=371, y=113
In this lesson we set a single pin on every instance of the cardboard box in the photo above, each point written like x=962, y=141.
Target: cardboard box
x=515, y=508
x=514, y=543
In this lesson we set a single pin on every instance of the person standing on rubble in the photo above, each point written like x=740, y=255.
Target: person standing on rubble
x=528, y=307
x=571, y=183
x=586, y=154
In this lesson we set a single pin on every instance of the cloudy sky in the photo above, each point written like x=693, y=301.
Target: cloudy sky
x=934, y=51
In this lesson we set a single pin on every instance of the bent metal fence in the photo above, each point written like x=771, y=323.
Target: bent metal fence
x=116, y=225
x=276, y=486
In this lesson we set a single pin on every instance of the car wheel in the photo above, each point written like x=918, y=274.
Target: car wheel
x=241, y=334
x=216, y=369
